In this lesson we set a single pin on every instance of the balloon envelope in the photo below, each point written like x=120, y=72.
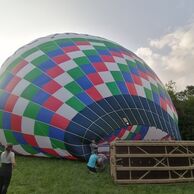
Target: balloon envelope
x=60, y=92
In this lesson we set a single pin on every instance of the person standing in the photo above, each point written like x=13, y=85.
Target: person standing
x=7, y=164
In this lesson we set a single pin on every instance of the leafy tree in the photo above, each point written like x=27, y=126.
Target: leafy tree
x=184, y=104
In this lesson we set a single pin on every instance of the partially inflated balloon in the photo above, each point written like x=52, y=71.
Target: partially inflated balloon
x=60, y=92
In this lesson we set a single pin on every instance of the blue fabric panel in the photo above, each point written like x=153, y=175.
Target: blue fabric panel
x=85, y=98
x=98, y=110
x=6, y=80
x=130, y=101
x=55, y=53
x=84, y=82
x=88, y=68
x=6, y=120
x=89, y=114
x=19, y=137
x=103, y=52
x=83, y=121
x=47, y=65
x=94, y=58
x=122, y=87
x=41, y=80
x=45, y=115
x=134, y=70
x=66, y=44
x=127, y=77
x=3, y=99
x=56, y=133
x=40, y=97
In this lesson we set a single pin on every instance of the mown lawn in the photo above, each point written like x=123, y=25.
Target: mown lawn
x=50, y=176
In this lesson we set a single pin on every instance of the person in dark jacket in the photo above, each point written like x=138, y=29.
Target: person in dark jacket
x=7, y=163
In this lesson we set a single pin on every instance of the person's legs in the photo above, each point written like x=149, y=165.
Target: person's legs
x=1, y=183
x=92, y=169
x=6, y=183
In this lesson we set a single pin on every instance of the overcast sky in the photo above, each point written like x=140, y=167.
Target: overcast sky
x=159, y=31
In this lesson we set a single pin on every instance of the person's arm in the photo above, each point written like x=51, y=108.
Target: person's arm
x=13, y=159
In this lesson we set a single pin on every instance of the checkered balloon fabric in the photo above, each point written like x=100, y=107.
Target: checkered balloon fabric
x=60, y=92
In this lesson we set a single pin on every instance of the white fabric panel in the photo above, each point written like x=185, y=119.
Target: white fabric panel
x=106, y=76
x=154, y=134
x=140, y=90
x=34, y=55
x=125, y=134
x=104, y=90
x=66, y=66
x=130, y=58
x=25, y=70
x=133, y=128
x=40, y=155
x=20, y=106
x=3, y=139
x=28, y=125
x=120, y=60
x=112, y=66
x=75, y=54
x=145, y=83
x=20, y=87
x=85, y=47
x=63, y=79
x=62, y=153
x=152, y=81
x=97, y=44
x=43, y=142
x=66, y=111
x=170, y=111
x=63, y=94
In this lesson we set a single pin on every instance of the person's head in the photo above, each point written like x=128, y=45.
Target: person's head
x=9, y=147
x=93, y=141
x=95, y=151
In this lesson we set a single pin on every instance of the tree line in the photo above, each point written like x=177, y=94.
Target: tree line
x=184, y=104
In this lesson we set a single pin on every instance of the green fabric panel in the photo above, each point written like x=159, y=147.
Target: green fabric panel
x=74, y=88
x=123, y=67
x=10, y=137
x=63, y=40
x=32, y=75
x=76, y=73
x=41, y=129
x=32, y=110
x=113, y=88
x=81, y=60
x=90, y=52
x=76, y=104
x=117, y=75
x=100, y=47
x=30, y=92
x=148, y=94
x=29, y=149
x=57, y=144
x=40, y=60
x=48, y=46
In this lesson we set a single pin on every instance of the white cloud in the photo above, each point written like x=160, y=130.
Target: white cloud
x=172, y=56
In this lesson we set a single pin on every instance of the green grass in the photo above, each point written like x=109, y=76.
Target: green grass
x=50, y=176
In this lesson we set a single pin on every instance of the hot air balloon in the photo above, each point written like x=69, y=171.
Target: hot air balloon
x=60, y=92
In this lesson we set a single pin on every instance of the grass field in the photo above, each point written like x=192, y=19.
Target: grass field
x=56, y=176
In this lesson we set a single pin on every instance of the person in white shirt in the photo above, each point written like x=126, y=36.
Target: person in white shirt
x=7, y=163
